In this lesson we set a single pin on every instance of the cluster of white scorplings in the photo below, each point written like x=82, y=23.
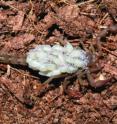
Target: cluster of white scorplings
x=54, y=60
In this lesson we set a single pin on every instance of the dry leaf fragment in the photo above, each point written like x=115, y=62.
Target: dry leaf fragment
x=20, y=41
x=18, y=21
x=110, y=69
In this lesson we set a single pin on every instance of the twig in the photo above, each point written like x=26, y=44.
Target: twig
x=103, y=18
x=3, y=82
x=89, y=14
x=6, y=4
x=86, y=2
x=109, y=51
x=24, y=74
x=103, y=34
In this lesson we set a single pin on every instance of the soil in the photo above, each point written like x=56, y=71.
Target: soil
x=85, y=97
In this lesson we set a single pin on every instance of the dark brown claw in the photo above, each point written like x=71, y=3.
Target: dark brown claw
x=96, y=84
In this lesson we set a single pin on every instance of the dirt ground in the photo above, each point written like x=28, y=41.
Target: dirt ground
x=85, y=97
